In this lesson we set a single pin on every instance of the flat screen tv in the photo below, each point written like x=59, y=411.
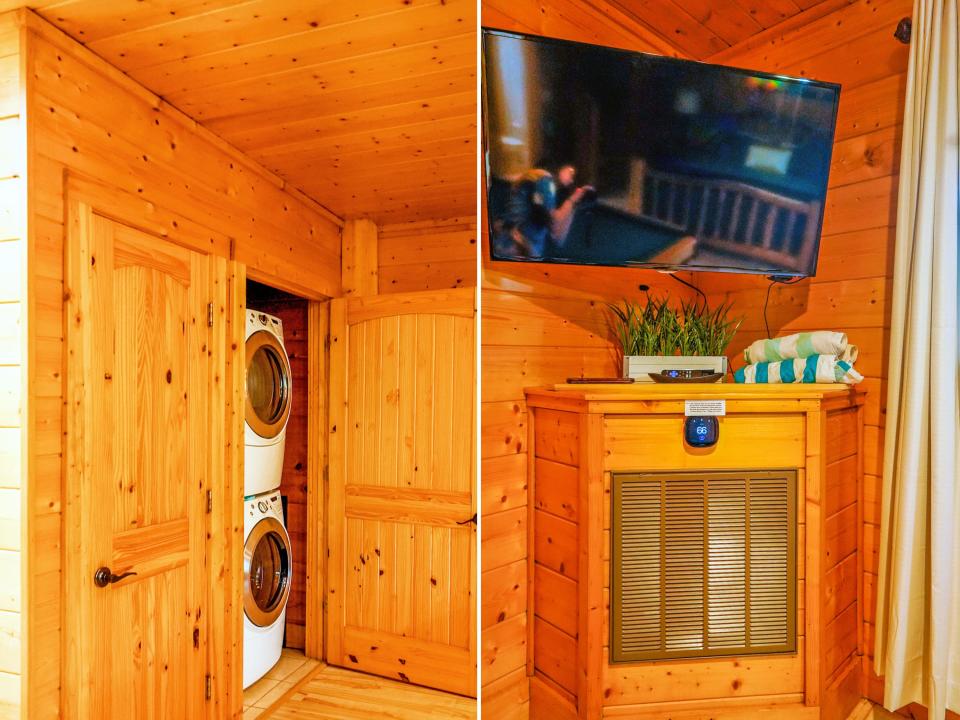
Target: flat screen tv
x=598, y=156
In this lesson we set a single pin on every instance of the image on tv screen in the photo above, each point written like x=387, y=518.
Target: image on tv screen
x=598, y=156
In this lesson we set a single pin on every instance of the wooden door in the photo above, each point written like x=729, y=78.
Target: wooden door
x=402, y=507
x=141, y=372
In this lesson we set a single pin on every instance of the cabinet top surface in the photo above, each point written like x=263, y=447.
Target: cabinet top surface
x=645, y=392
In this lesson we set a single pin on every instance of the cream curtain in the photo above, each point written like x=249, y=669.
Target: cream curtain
x=918, y=588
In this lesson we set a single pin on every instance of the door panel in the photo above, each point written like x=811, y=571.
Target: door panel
x=402, y=579
x=140, y=378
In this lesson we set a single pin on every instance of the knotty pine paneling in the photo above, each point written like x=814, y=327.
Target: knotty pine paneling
x=427, y=255
x=852, y=290
x=370, y=107
x=540, y=325
x=89, y=119
x=543, y=323
x=14, y=309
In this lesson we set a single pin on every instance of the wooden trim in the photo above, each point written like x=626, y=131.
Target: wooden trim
x=232, y=520
x=816, y=433
x=668, y=391
x=531, y=450
x=77, y=305
x=318, y=329
x=336, y=435
x=860, y=543
x=590, y=589
x=771, y=707
x=359, y=268
x=473, y=633
x=654, y=398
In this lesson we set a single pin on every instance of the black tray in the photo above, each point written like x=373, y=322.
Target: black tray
x=661, y=378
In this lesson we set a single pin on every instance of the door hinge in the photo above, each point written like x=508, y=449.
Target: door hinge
x=209, y=501
x=209, y=314
x=209, y=687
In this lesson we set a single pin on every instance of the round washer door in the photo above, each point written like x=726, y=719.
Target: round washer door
x=268, y=384
x=266, y=572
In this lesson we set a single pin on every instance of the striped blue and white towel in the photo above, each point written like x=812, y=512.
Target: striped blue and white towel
x=801, y=345
x=812, y=369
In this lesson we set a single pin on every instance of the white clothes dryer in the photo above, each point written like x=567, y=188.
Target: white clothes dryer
x=267, y=567
x=268, y=397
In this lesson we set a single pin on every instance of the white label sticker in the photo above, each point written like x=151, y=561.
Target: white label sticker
x=705, y=407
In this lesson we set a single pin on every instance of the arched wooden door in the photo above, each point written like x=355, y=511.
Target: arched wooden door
x=402, y=508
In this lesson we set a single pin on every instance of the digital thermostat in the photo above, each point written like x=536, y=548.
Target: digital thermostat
x=701, y=431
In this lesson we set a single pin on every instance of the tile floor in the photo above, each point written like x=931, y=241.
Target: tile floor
x=292, y=667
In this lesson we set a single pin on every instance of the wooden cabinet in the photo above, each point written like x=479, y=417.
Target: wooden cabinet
x=580, y=436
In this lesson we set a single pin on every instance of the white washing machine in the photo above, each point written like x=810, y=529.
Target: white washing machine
x=267, y=565
x=268, y=389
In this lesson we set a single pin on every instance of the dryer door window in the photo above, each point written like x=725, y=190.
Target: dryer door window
x=266, y=572
x=268, y=385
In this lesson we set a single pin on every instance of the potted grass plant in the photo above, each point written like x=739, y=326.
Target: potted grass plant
x=655, y=336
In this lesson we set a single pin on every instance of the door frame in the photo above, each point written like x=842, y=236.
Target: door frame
x=318, y=386
x=224, y=546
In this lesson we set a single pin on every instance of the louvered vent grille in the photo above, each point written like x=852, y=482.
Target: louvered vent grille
x=702, y=565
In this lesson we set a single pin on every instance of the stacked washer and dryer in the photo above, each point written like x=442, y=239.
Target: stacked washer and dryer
x=267, y=561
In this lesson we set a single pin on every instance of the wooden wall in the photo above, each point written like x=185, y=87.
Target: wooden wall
x=851, y=292
x=427, y=255
x=540, y=324
x=12, y=322
x=89, y=119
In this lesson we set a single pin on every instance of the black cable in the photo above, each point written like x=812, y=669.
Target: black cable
x=765, y=301
x=773, y=281
x=691, y=286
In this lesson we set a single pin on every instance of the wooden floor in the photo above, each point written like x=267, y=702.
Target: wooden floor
x=301, y=689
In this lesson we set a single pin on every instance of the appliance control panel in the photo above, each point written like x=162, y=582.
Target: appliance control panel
x=257, y=320
x=265, y=503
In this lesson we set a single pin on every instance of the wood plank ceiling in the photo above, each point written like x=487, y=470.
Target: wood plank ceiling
x=368, y=107
x=699, y=29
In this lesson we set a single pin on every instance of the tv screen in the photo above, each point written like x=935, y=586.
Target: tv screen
x=597, y=156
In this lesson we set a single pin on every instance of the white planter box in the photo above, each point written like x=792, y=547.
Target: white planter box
x=638, y=367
